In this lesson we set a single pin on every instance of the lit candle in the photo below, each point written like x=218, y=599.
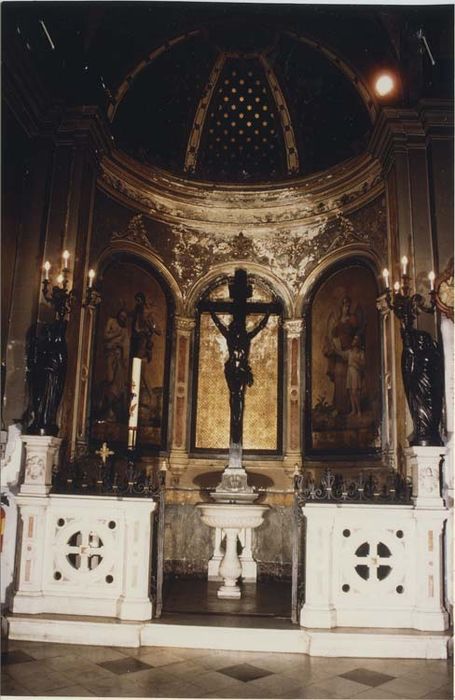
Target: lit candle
x=134, y=403
x=396, y=287
x=163, y=467
x=60, y=279
x=47, y=267
x=66, y=257
x=91, y=275
x=431, y=277
x=404, y=263
x=385, y=274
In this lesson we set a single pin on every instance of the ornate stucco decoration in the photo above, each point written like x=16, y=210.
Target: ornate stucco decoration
x=134, y=232
x=292, y=251
x=444, y=291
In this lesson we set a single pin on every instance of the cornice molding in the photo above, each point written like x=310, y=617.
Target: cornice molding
x=402, y=130
x=173, y=200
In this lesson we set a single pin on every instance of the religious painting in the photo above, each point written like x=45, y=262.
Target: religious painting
x=344, y=365
x=211, y=412
x=132, y=322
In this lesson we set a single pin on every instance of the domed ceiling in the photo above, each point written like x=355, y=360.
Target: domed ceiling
x=233, y=92
x=232, y=105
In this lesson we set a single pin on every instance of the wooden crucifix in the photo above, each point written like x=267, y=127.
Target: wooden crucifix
x=237, y=369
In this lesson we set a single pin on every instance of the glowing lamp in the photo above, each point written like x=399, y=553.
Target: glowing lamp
x=384, y=85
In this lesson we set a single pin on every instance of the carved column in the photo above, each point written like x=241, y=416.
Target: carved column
x=293, y=433
x=389, y=426
x=179, y=448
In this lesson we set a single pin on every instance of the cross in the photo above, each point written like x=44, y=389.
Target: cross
x=104, y=452
x=237, y=370
x=374, y=561
x=89, y=546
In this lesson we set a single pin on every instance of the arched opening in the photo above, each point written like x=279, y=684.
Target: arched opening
x=135, y=320
x=210, y=396
x=343, y=409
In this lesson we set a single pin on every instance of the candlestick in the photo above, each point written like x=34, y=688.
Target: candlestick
x=66, y=257
x=385, y=274
x=91, y=275
x=421, y=362
x=134, y=402
x=47, y=267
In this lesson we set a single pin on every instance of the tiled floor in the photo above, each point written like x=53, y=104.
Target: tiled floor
x=32, y=668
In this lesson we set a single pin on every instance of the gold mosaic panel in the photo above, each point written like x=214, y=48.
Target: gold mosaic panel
x=261, y=402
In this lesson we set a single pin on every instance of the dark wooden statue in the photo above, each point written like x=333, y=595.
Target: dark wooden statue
x=237, y=369
x=421, y=364
x=46, y=364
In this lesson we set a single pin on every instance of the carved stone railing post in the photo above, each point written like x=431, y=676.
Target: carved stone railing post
x=389, y=428
x=293, y=440
x=179, y=450
x=41, y=456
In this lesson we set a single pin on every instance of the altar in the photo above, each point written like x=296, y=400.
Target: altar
x=228, y=317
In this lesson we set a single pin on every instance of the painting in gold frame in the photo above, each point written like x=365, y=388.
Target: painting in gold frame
x=344, y=408
x=132, y=322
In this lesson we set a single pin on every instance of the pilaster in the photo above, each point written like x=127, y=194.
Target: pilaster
x=178, y=459
x=319, y=609
x=293, y=437
x=389, y=373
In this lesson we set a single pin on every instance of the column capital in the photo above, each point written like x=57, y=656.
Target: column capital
x=184, y=324
x=294, y=327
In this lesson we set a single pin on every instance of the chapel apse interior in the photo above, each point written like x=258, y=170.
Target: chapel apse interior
x=166, y=145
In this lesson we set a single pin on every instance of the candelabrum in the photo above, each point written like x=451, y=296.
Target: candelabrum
x=58, y=294
x=47, y=352
x=421, y=359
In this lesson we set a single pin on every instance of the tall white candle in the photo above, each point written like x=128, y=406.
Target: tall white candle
x=431, y=277
x=47, y=267
x=396, y=287
x=66, y=257
x=404, y=263
x=134, y=402
x=91, y=276
x=385, y=274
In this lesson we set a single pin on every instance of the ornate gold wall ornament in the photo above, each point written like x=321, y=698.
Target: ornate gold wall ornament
x=444, y=291
x=135, y=232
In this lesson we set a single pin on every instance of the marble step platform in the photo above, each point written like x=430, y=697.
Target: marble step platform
x=215, y=632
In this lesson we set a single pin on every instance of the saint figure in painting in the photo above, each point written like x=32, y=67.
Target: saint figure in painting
x=116, y=341
x=342, y=327
x=355, y=360
x=142, y=331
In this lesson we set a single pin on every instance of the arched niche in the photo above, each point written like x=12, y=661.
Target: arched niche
x=135, y=318
x=263, y=417
x=343, y=397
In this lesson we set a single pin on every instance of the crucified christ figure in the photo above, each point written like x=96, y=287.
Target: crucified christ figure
x=236, y=368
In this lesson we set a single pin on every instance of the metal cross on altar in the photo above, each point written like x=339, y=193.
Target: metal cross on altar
x=104, y=452
x=236, y=369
